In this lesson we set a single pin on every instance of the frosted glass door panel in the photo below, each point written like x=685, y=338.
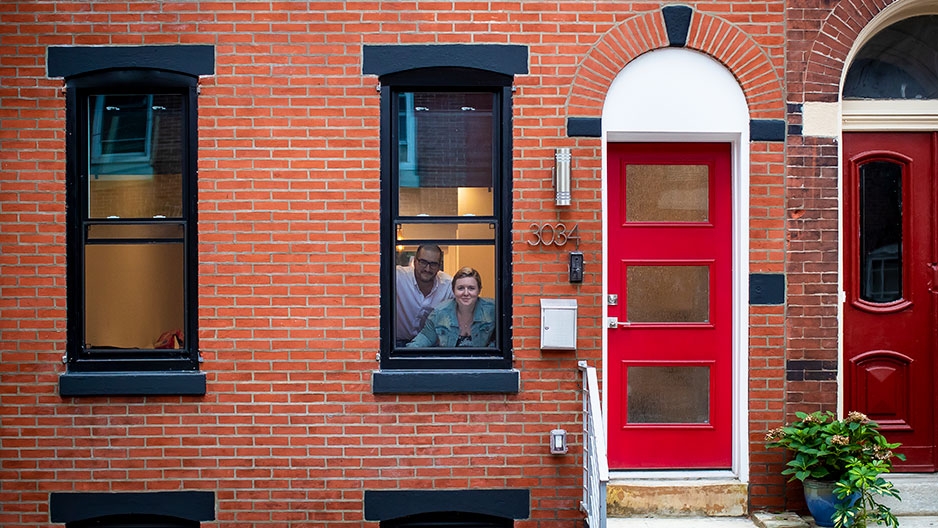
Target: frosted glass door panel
x=669, y=395
x=667, y=193
x=668, y=294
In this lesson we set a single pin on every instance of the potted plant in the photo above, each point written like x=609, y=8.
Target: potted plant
x=840, y=463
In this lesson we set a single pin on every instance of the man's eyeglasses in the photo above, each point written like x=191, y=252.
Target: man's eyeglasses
x=427, y=264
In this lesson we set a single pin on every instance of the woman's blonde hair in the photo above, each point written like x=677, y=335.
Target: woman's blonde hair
x=467, y=272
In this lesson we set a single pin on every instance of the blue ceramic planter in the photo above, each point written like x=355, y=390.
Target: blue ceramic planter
x=822, y=502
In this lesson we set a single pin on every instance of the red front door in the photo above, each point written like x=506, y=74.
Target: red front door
x=891, y=282
x=670, y=305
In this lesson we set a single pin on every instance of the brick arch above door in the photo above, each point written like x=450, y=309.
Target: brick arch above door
x=835, y=36
x=748, y=60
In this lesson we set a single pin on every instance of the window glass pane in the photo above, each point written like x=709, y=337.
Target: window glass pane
x=446, y=153
x=880, y=232
x=134, y=295
x=135, y=156
x=667, y=193
x=461, y=231
x=456, y=201
x=900, y=62
x=668, y=395
x=424, y=283
x=161, y=231
x=668, y=294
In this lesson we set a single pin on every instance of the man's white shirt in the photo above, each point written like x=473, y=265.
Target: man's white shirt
x=413, y=306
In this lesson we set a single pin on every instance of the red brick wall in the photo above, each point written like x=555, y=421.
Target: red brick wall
x=820, y=34
x=289, y=431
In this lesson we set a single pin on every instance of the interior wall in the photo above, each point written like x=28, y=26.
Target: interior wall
x=134, y=293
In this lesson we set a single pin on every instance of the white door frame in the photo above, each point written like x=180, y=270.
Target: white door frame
x=674, y=95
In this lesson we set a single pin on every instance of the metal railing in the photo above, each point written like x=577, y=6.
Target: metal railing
x=595, y=467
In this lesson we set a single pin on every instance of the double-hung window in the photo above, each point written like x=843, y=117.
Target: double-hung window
x=446, y=227
x=131, y=234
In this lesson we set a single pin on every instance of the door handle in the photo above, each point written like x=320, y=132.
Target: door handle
x=613, y=322
x=933, y=286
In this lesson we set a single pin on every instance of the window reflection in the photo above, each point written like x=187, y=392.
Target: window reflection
x=135, y=156
x=880, y=232
x=134, y=272
x=900, y=62
x=445, y=152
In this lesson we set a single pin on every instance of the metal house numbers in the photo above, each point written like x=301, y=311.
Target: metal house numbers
x=554, y=235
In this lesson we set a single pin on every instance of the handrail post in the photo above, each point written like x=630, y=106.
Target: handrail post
x=595, y=465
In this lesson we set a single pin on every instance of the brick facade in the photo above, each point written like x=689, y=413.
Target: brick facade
x=289, y=431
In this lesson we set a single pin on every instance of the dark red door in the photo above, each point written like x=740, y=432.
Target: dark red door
x=670, y=305
x=891, y=281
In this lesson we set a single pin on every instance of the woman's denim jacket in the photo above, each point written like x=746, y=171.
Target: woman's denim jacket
x=442, y=328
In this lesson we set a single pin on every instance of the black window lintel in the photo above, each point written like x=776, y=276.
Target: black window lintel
x=381, y=505
x=188, y=505
x=69, y=61
x=506, y=59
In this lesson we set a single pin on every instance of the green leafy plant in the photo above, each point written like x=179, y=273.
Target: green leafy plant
x=851, y=452
x=864, y=481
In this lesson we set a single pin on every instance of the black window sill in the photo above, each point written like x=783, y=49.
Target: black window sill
x=446, y=381
x=132, y=384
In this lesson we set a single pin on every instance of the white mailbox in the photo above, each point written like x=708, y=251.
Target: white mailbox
x=558, y=324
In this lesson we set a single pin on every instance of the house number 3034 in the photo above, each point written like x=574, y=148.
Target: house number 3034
x=554, y=235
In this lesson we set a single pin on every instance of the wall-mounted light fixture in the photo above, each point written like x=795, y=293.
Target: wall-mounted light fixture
x=562, y=175
x=558, y=442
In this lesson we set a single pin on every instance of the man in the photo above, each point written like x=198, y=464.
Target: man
x=420, y=288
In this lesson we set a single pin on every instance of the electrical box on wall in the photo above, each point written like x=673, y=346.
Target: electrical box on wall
x=558, y=324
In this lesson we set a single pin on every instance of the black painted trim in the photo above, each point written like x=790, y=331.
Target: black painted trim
x=795, y=130
x=766, y=288
x=494, y=358
x=810, y=370
x=584, y=127
x=69, y=61
x=505, y=59
x=677, y=22
x=188, y=505
x=132, y=384
x=767, y=130
x=484, y=381
x=82, y=358
x=393, y=504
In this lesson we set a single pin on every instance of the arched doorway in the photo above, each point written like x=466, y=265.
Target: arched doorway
x=676, y=171
x=890, y=196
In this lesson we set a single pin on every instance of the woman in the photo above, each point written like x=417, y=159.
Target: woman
x=464, y=321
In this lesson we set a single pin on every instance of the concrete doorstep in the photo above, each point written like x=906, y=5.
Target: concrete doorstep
x=758, y=520
x=793, y=520
x=722, y=503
